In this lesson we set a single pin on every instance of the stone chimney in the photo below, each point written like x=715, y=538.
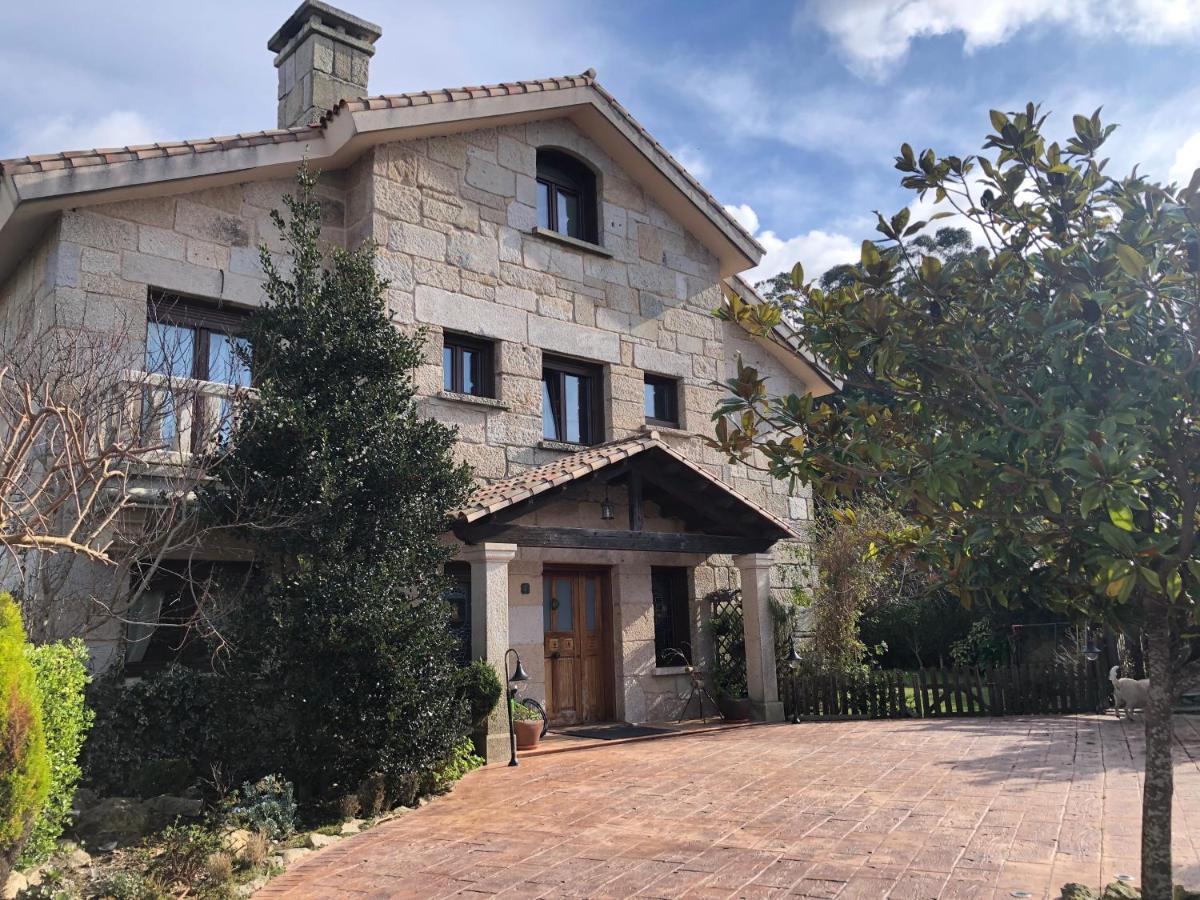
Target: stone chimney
x=322, y=56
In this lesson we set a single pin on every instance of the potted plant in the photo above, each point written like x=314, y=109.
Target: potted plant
x=527, y=724
x=729, y=653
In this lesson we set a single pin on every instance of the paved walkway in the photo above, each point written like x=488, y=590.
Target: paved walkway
x=908, y=809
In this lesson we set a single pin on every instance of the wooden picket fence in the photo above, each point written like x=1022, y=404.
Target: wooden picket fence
x=936, y=693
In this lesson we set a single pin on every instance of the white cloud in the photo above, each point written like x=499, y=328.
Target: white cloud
x=816, y=250
x=1187, y=160
x=691, y=160
x=745, y=216
x=119, y=128
x=875, y=34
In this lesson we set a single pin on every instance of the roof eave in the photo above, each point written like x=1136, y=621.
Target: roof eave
x=28, y=199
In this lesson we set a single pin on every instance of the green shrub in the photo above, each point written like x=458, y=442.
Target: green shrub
x=481, y=688
x=183, y=854
x=372, y=795
x=61, y=673
x=456, y=765
x=24, y=763
x=161, y=729
x=267, y=806
x=124, y=884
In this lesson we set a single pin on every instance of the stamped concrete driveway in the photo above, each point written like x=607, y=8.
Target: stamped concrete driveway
x=907, y=809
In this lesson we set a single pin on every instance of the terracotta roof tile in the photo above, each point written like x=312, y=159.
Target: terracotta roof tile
x=73, y=159
x=499, y=495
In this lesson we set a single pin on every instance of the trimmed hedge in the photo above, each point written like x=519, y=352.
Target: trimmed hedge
x=153, y=736
x=61, y=673
x=24, y=763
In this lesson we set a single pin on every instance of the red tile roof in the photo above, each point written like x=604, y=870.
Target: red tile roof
x=72, y=159
x=499, y=495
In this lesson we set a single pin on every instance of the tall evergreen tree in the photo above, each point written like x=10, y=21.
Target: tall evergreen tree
x=345, y=644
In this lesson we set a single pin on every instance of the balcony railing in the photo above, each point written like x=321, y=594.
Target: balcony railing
x=182, y=417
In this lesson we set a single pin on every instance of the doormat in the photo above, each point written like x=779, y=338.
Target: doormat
x=615, y=732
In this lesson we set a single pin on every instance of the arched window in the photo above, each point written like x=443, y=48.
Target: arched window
x=566, y=195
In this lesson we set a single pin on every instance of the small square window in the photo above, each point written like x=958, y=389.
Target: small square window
x=662, y=401
x=467, y=366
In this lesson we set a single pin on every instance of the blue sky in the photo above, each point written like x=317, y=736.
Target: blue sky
x=789, y=112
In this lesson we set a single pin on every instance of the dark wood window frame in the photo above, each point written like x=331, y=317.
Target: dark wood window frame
x=485, y=383
x=672, y=616
x=563, y=175
x=458, y=596
x=554, y=370
x=205, y=319
x=671, y=420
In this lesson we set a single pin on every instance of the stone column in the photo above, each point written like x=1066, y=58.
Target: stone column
x=761, y=684
x=489, y=627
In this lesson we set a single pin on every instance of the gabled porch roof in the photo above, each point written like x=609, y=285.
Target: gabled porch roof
x=718, y=519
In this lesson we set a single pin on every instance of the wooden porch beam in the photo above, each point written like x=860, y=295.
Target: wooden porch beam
x=637, y=519
x=613, y=539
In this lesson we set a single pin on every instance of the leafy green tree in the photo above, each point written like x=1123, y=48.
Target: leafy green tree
x=344, y=647
x=1031, y=409
x=848, y=577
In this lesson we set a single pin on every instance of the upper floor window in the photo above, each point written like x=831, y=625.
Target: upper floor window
x=185, y=339
x=571, y=402
x=662, y=400
x=189, y=342
x=467, y=366
x=566, y=191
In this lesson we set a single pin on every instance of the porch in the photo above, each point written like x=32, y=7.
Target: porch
x=594, y=568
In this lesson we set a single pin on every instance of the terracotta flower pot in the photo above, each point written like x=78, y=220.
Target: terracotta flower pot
x=734, y=709
x=529, y=734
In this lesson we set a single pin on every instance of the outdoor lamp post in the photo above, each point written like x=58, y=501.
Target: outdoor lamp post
x=793, y=664
x=510, y=694
x=1090, y=651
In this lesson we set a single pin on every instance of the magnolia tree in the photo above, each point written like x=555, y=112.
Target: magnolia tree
x=1030, y=407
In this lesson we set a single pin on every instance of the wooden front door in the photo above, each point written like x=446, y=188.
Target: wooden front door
x=576, y=617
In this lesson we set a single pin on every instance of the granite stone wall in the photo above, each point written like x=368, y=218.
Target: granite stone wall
x=453, y=218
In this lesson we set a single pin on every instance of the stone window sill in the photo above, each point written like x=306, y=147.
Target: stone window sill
x=671, y=430
x=562, y=446
x=490, y=402
x=568, y=241
x=670, y=671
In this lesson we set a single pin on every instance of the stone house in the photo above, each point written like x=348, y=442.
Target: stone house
x=566, y=267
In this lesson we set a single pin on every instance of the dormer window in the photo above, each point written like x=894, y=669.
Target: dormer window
x=566, y=196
